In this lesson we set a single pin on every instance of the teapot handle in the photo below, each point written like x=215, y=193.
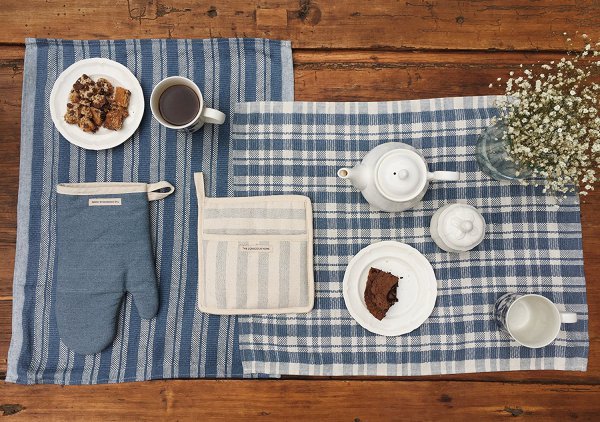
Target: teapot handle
x=448, y=176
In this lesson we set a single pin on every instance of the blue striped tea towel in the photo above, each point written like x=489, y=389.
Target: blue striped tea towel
x=180, y=342
x=531, y=245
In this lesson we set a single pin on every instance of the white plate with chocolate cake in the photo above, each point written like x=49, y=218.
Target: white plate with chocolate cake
x=97, y=103
x=390, y=288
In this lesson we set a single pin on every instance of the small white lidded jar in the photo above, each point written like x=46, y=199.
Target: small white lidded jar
x=457, y=227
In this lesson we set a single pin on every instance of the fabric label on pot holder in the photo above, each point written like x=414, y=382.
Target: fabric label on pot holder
x=255, y=254
x=253, y=247
x=104, y=202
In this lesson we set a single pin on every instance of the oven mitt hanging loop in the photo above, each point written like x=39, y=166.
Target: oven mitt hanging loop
x=104, y=249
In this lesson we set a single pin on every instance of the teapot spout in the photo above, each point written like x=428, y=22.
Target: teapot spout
x=356, y=176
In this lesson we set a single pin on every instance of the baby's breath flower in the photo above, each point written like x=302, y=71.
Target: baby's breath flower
x=553, y=120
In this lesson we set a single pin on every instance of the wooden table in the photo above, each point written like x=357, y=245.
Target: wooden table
x=343, y=50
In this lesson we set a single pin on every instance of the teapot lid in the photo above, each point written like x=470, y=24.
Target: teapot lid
x=460, y=226
x=401, y=175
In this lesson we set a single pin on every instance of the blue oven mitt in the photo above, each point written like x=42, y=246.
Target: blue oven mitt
x=104, y=249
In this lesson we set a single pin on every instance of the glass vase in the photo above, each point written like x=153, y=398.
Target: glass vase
x=493, y=157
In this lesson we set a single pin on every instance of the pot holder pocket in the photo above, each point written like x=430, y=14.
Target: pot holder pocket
x=255, y=254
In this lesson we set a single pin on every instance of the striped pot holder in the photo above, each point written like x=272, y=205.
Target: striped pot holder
x=255, y=254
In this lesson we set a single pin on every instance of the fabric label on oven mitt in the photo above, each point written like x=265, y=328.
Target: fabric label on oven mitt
x=104, y=249
x=255, y=254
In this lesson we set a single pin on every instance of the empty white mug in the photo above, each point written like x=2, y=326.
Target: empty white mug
x=203, y=115
x=531, y=320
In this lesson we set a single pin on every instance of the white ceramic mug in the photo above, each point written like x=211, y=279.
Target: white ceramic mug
x=531, y=320
x=204, y=115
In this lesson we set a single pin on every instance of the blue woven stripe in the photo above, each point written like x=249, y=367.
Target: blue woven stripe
x=531, y=245
x=180, y=342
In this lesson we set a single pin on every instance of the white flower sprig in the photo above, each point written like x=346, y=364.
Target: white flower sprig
x=552, y=119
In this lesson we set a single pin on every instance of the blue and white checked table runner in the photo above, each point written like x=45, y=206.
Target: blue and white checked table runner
x=531, y=245
x=181, y=342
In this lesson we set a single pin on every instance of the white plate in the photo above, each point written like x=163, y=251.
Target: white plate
x=417, y=290
x=96, y=68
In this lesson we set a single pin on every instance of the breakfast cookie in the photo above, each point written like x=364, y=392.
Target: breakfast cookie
x=121, y=97
x=95, y=104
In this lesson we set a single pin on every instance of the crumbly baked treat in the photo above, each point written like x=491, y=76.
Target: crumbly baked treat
x=72, y=114
x=98, y=100
x=122, y=110
x=98, y=116
x=84, y=82
x=74, y=96
x=105, y=86
x=85, y=111
x=85, y=87
x=95, y=104
x=114, y=118
x=380, y=293
x=121, y=97
x=87, y=125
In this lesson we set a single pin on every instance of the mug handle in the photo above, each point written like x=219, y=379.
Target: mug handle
x=210, y=115
x=568, y=317
x=449, y=176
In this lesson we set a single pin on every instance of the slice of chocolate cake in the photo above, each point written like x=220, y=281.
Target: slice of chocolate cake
x=380, y=293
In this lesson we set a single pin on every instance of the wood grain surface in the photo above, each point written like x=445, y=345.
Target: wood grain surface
x=307, y=400
x=349, y=24
x=344, y=50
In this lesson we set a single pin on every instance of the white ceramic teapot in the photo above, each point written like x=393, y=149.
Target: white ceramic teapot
x=393, y=176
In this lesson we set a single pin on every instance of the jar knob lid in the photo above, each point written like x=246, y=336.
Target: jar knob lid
x=457, y=227
x=466, y=226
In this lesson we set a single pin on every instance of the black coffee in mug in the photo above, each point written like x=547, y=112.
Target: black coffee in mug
x=179, y=105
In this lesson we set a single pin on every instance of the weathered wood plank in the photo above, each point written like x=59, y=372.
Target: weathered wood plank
x=302, y=400
x=5, y=333
x=11, y=68
x=378, y=24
